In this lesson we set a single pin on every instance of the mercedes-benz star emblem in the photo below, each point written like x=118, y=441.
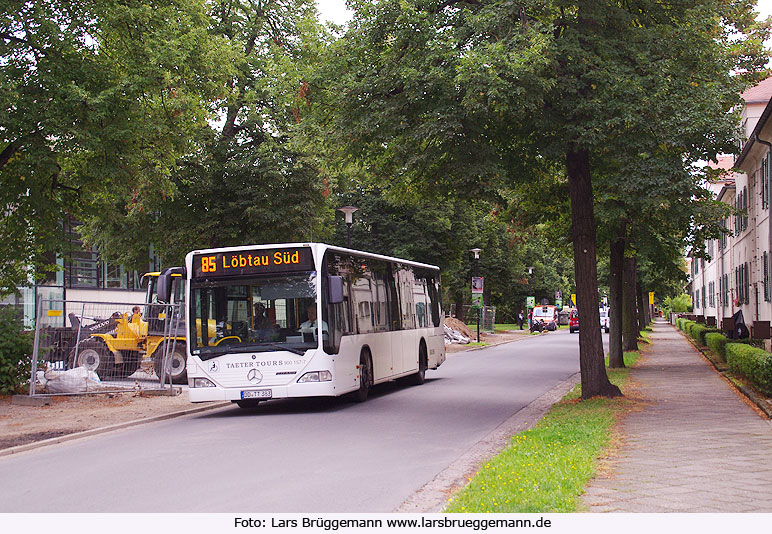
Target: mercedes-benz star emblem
x=255, y=376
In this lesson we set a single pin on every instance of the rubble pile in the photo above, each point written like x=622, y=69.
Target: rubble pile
x=456, y=331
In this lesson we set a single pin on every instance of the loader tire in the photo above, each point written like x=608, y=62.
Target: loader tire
x=93, y=355
x=176, y=365
x=131, y=362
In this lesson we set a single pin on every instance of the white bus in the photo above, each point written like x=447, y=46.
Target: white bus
x=262, y=304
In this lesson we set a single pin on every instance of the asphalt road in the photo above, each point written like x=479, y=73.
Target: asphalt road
x=295, y=455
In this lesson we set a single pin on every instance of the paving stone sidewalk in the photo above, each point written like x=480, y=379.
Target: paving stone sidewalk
x=694, y=447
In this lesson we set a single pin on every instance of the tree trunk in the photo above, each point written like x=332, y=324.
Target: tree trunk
x=459, y=301
x=591, y=362
x=629, y=319
x=641, y=308
x=615, y=352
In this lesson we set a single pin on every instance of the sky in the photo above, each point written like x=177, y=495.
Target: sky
x=335, y=10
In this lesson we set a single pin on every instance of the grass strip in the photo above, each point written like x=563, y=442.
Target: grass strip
x=503, y=327
x=545, y=469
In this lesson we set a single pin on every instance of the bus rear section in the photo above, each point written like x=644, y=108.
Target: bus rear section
x=307, y=320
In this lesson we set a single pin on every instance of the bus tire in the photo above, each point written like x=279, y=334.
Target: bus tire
x=177, y=363
x=247, y=404
x=93, y=355
x=365, y=376
x=419, y=377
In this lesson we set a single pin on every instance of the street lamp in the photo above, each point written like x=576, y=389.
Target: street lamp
x=476, y=252
x=349, y=212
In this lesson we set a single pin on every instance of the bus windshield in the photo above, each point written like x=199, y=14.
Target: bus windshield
x=256, y=314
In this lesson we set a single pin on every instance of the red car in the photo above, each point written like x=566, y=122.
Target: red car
x=573, y=321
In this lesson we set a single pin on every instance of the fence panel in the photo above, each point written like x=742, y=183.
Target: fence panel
x=98, y=347
x=469, y=316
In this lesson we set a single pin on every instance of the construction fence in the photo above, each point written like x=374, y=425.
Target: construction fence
x=97, y=347
x=469, y=316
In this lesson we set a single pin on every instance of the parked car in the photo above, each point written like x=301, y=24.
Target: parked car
x=573, y=321
x=605, y=317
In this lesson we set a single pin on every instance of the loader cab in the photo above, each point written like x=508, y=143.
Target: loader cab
x=154, y=311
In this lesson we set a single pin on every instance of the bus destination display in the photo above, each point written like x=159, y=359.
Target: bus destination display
x=248, y=262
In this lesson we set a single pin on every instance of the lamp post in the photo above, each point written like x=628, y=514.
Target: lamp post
x=476, y=252
x=349, y=212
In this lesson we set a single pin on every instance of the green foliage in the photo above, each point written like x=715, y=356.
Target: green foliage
x=15, y=352
x=98, y=99
x=245, y=179
x=753, y=363
x=440, y=232
x=679, y=304
x=717, y=341
x=698, y=332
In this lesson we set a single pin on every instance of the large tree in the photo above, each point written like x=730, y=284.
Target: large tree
x=465, y=97
x=96, y=97
x=245, y=180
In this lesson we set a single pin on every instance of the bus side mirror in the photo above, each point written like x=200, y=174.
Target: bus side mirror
x=165, y=282
x=335, y=288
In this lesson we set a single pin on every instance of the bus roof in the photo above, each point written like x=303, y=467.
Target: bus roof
x=319, y=248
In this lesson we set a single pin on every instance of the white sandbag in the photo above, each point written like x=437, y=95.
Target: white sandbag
x=78, y=380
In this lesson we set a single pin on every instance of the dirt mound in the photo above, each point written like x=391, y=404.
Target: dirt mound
x=459, y=326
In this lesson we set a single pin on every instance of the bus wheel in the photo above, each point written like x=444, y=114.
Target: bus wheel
x=247, y=403
x=176, y=364
x=93, y=355
x=365, y=377
x=419, y=377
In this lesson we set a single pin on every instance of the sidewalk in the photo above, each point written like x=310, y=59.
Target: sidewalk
x=695, y=446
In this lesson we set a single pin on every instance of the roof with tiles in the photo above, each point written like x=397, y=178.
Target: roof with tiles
x=760, y=93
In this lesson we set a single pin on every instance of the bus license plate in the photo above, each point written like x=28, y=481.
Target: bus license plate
x=256, y=394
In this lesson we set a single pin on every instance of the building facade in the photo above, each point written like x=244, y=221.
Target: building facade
x=736, y=277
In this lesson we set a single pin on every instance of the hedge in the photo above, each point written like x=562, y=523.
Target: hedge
x=698, y=332
x=717, y=343
x=753, y=363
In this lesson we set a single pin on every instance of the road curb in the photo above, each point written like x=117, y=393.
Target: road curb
x=103, y=430
x=433, y=496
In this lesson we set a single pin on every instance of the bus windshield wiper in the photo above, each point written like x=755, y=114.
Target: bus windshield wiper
x=283, y=347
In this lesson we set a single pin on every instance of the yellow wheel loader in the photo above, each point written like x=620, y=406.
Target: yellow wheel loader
x=125, y=339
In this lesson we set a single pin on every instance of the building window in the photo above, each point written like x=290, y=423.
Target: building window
x=697, y=299
x=712, y=294
x=766, y=277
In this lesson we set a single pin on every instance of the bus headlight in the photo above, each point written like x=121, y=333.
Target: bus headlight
x=202, y=383
x=316, y=376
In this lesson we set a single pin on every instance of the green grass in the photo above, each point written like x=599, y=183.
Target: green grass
x=546, y=469
x=503, y=327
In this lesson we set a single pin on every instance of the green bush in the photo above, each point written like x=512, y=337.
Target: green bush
x=755, y=364
x=680, y=304
x=680, y=323
x=717, y=343
x=699, y=331
x=15, y=352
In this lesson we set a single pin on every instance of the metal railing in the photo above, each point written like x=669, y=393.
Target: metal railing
x=97, y=347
